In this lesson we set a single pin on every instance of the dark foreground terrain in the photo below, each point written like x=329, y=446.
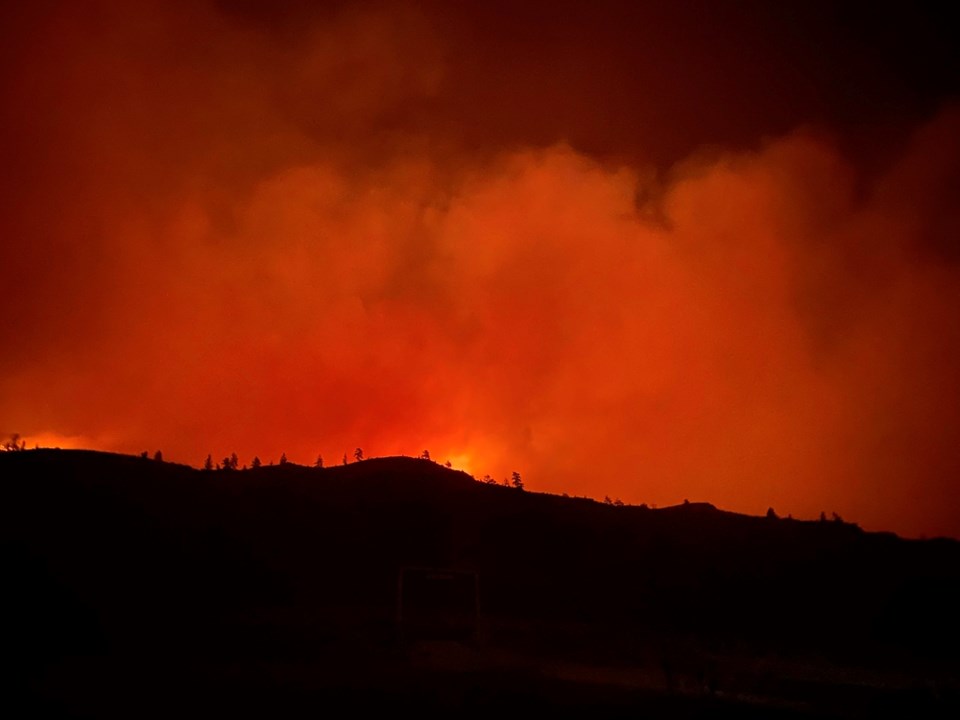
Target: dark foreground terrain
x=135, y=588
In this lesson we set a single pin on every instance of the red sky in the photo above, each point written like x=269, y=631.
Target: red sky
x=683, y=250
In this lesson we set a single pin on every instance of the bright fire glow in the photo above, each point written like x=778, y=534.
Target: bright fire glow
x=254, y=235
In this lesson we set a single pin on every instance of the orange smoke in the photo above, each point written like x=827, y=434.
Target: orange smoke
x=231, y=248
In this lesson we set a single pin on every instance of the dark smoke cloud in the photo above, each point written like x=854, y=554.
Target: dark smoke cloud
x=400, y=226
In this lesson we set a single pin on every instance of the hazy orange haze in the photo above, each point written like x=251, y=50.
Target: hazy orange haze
x=220, y=237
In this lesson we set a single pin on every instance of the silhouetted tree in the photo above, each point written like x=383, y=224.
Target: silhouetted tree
x=823, y=516
x=255, y=463
x=283, y=458
x=618, y=502
x=208, y=463
x=836, y=518
x=771, y=514
x=607, y=500
x=358, y=454
x=145, y=454
x=231, y=463
x=345, y=459
x=158, y=456
x=448, y=464
x=488, y=480
x=517, y=481
x=319, y=461
x=425, y=455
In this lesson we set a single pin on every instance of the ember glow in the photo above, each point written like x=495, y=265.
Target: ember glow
x=519, y=242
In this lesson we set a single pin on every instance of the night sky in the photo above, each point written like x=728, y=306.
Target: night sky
x=656, y=251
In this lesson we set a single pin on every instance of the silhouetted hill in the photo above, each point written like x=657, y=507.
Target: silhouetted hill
x=116, y=556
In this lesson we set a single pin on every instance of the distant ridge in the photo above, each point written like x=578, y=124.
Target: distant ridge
x=103, y=526
x=157, y=565
x=383, y=474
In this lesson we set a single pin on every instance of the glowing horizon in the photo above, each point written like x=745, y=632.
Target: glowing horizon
x=599, y=246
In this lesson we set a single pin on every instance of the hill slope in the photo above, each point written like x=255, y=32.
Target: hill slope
x=114, y=555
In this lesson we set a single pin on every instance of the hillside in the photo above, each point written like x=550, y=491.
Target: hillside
x=130, y=561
